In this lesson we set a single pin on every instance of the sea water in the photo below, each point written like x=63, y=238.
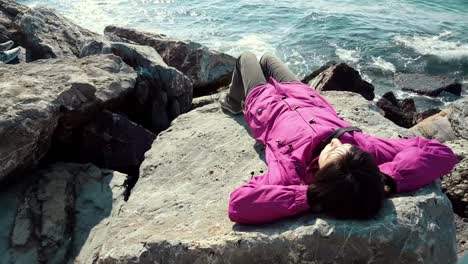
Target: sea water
x=379, y=38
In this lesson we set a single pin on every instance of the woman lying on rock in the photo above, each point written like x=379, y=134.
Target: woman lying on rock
x=316, y=160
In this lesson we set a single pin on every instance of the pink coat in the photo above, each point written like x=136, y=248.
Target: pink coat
x=291, y=119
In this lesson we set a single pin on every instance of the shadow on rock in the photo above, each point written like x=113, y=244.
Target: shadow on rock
x=59, y=215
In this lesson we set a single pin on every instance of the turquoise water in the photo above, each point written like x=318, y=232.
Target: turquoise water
x=379, y=39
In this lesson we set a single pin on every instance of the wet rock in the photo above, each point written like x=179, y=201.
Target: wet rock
x=53, y=97
x=341, y=77
x=315, y=73
x=50, y=35
x=110, y=141
x=186, y=220
x=207, y=69
x=59, y=214
x=401, y=112
x=162, y=92
x=455, y=184
x=427, y=85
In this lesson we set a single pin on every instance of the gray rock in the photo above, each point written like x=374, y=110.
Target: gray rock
x=455, y=184
x=9, y=9
x=365, y=115
x=316, y=72
x=341, y=77
x=401, y=112
x=436, y=127
x=207, y=69
x=54, y=96
x=50, y=35
x=419, y=117
x=449, y=124
x=162, y=92
x=458, y=117
x=111, y=141
x=194, y=165
x=427, y=85
x=205, y=100
x=462, y=235
x=60, y=214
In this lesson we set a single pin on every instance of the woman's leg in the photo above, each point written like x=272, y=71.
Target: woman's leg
x=274, y=67
x=247, y=75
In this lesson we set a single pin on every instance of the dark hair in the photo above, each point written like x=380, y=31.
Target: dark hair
x=348, y=188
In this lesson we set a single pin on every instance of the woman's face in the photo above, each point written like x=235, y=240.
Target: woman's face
x=332, y=152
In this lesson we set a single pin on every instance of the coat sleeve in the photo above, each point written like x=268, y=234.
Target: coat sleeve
x=256, y=203
x=417, y=166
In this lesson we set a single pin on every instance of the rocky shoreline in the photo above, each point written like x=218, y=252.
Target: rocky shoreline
x=114, y=150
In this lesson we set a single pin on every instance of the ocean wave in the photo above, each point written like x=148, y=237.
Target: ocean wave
x=353, y=55
x=256, y=43
x=435, y=46
x=384, y=65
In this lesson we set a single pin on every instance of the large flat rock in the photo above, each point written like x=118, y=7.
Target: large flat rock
x=177, y=212
x=40, y=98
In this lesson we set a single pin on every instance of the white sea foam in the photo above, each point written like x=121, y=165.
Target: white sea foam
x=353, y=55
x=383, y=64
x=256, y=43
x=436, y=46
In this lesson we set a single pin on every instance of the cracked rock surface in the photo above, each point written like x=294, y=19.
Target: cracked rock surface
x=206, y=68
x=161, y=93
x=60, y=214
x=49, y=35
x=194, y=165
x=54, y=96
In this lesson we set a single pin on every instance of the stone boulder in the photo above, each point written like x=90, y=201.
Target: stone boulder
x=52, y=97
x=206, y=68
x=9, y=9
x=177, y=212
x=162, y=92
x=449, y=124
x=455, y=184
x=341, y=77
x=316, y=72
x=49, y=35
x=436, y=127
x=401, y=112
x=59, y=214
x=462, y=236
x=458, y=117
x=427, y=85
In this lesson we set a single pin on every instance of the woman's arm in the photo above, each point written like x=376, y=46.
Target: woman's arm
x=415, y=167
x=254, y=203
